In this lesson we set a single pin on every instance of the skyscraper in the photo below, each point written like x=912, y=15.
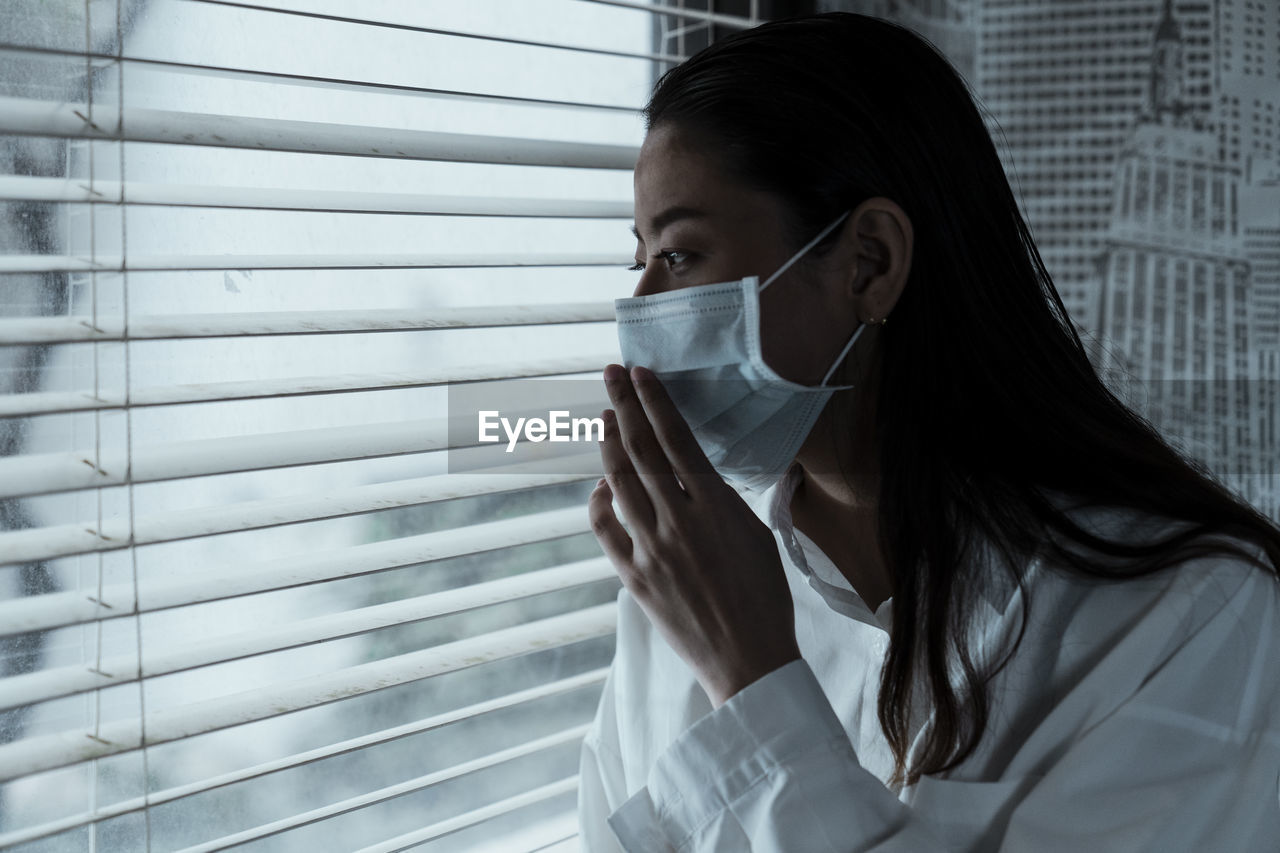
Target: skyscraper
x=1174, y=307
x=1246, y=98
x=1063, y=82
x=1175, y=312
x=1260, y=214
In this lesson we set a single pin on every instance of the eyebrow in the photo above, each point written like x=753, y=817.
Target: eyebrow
x=671, y=214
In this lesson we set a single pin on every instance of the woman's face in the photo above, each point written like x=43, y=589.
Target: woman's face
x=695, y=225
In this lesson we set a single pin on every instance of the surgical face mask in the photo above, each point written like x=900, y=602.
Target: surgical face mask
x=704, y=344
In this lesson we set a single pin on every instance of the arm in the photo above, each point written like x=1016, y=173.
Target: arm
x=770, y=769
x=1190, y=762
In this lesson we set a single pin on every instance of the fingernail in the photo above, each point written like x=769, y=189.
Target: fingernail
x=641, y=374
x=608, y=416
x=612, y=372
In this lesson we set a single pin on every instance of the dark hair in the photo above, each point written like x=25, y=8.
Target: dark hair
x=987, y=398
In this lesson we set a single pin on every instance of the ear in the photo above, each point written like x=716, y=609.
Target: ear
x=884, y=240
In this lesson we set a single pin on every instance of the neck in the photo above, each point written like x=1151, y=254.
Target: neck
x=839, y=457
x=837, y=506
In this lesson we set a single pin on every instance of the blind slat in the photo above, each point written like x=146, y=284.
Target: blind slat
x=64, y=540
x=381, y=795
x=47, y=473
x=47, y=684
x=197, y=263
x=168, y=795
x=54, y=610
x=23, y=116
x=394, y=25
x=21, y=188
x=51, y=402
x=471, y=818
x=47, y=752
x=27, y=546
x=76, y=329
x=719, y=18
x=106, y=60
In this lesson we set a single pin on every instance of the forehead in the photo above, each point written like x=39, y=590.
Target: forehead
x=670, y=156
x=675, y=170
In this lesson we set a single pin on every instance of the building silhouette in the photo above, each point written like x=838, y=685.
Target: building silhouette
x=1260, y=215
x=1063, y=82
x=1181, y=330
x=1246, y=84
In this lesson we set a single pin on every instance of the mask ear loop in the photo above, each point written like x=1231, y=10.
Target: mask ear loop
x=797, y=256
x=843, y=353
x=808, y=246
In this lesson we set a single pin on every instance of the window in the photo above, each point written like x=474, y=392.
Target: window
x=249, y=595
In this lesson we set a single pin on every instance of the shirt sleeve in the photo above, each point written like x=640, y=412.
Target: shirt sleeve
x=770, y=769
x=1190, y=762
x=601, y=782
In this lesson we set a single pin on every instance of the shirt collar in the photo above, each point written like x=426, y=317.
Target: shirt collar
x=801, y=554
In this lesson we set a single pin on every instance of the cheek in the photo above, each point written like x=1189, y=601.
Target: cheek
x=793, y=329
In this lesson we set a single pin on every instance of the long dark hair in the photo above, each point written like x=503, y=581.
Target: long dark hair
x=987, y=398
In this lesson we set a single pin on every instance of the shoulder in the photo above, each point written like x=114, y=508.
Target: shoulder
x=1191, y=594
x=1195, y=589
x=1225, y=619
x=1177, y=601
x=1192, y=646
x=1205, y=617
x=1223, y=600
x=1165, y=722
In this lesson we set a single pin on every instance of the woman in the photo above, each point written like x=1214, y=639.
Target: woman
x=975, y=603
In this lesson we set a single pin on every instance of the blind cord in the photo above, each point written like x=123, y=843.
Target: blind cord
x=97, y=418
x=128, y=429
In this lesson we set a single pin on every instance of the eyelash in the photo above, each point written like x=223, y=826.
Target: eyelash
x=639, y=267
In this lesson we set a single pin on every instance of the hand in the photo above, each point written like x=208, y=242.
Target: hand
x=699, y=562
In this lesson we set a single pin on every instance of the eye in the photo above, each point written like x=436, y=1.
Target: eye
x=639, y=266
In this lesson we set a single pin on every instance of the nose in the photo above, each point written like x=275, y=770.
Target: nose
x=648, y=284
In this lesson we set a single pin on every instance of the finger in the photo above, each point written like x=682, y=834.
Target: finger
x=621, y=477
x=673, y=434
x=641, y=445
x=608, y=531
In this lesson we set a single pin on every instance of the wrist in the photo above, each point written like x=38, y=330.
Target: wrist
x=739, y=680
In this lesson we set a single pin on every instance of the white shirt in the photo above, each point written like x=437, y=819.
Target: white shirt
x=1141, y=715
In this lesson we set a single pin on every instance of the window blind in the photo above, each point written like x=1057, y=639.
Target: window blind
x=246, y=599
